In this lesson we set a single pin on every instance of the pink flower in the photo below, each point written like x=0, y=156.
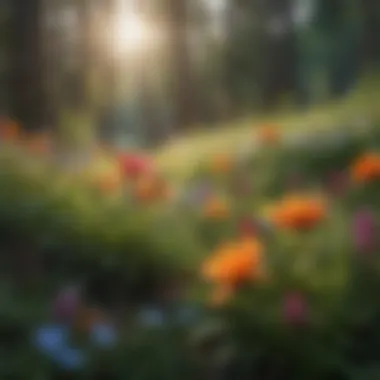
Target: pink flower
x=364, y=231
x=134, y=166
x=295, y=310
x=66, y=304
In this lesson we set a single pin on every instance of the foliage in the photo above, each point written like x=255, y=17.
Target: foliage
x=78, y=230
x=309, y=317
x=265, y=265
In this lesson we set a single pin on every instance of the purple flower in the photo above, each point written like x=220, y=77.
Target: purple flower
x=364, y=231
x=295, y=309
x=66, y=304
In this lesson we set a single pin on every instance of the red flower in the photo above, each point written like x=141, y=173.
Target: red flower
x=134, y=166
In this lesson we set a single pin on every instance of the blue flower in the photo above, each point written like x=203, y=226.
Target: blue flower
x=53, y=342
x=103, y=335
x=50, y=338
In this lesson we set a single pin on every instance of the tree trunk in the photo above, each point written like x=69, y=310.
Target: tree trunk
x=107, y=70
x=184, y=89
x=80, y=96
x=371, y=20
x=27, y=92
x=52, y=39
x=280, y=62
x=261, y=56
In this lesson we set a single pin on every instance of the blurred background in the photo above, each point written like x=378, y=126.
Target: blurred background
x=134, y=72
x=104, y=233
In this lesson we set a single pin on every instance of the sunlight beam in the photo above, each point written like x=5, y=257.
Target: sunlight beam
x=131, y=32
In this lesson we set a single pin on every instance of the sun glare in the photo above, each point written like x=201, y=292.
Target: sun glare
x=131, y=33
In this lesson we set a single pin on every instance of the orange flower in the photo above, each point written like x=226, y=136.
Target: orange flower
x=234, y=263
x=151, y=188
x=216, y=208
x=9, y=130
x=221, y=164
x=366, y=168
x=298, y=212
x=269, y=134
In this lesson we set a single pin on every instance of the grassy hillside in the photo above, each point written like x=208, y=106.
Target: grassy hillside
x=177, y=158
